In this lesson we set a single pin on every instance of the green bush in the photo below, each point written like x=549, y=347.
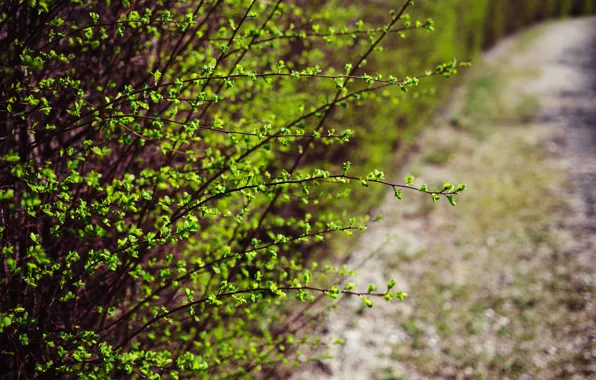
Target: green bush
x=167, y=167
x=158, y=203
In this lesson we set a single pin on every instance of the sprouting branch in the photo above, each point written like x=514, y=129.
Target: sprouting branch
x=245, y=291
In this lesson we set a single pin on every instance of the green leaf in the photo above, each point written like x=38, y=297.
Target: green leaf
x=366, y=301
x=6, y=194
x=400, y=295
x=409, y=179
x=24, y=339
x=397, y=192
x=156, y=76
x=451, y=200
x=155, y=96
x=346, y=167
x=6, y=321
x=391, y=284
x=11, y=157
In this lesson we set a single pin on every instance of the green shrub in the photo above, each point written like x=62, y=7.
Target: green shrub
x=158, y=195
x=167, y=167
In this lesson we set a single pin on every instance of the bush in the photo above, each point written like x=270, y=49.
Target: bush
x=158, y=195
x=166, y=169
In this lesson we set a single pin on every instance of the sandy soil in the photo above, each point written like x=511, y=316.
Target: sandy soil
x=501, y=286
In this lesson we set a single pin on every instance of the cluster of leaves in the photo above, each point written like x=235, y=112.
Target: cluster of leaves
x=157, y=206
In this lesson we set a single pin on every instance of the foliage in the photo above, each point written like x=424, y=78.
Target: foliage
x=389, y=125
x=167, y=167
x=157, y=197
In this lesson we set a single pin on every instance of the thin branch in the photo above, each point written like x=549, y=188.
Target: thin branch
x=229, y=294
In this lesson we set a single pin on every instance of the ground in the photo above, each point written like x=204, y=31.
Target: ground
x=501, y=286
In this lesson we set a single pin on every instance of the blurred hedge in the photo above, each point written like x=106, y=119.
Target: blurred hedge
x=463, y=29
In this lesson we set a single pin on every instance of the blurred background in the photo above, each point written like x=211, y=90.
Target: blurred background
x=501, y=286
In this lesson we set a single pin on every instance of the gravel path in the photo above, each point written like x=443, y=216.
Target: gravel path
x=470, y=285
x=576, y=113
x=570, y=104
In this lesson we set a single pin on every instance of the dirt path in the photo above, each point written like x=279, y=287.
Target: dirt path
x=502, y=286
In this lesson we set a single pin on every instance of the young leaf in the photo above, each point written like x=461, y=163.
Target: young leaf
x=391, y=284
x=366, y=301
